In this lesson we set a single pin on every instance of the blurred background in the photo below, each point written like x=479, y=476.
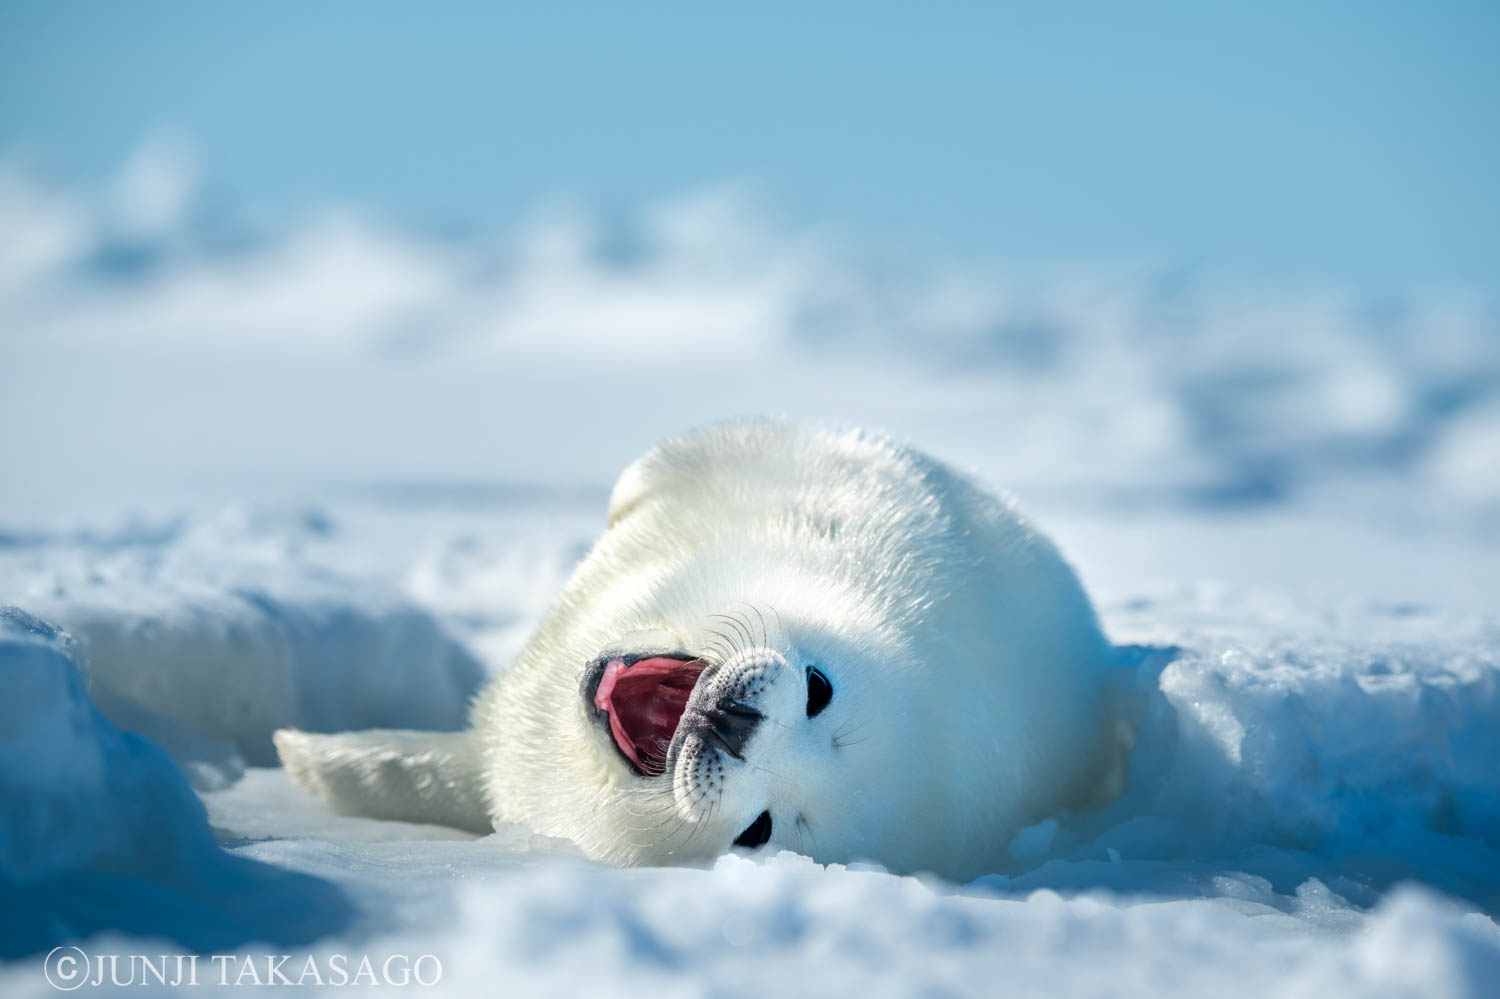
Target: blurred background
x=1141, y=256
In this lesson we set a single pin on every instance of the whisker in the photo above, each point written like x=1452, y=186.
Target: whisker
x=841, y=738
x=738, y=626
x=749, y=631
x=802, y=823
x=764, y=638
x=729, y=643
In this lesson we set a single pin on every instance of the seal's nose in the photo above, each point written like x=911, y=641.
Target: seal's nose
x=730, y=723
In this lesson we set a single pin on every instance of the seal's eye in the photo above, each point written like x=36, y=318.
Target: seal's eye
x=757, y=834
x=819, y=691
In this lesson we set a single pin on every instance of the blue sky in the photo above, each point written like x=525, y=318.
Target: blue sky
x=1348, y=142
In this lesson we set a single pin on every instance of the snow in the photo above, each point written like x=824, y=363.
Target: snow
x=101, y=831
x=328, y=475
x=237, y=649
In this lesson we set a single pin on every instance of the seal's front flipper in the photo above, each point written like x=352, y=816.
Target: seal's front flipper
x=429, y=777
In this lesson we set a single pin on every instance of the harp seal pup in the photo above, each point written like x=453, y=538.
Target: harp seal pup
x=816, y=639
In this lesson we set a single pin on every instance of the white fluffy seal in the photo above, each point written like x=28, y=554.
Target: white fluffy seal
x=821, y=640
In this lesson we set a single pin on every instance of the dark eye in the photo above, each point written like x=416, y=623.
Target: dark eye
x=757, y=834
x=819, y=691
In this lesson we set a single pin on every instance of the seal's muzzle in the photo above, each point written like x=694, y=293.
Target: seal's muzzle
x=728, y=724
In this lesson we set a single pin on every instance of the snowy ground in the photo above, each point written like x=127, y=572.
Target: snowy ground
x=329, y=477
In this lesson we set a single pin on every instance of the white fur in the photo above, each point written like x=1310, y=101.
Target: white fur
x=969, y=673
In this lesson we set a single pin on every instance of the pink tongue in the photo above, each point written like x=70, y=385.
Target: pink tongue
x=645, y=702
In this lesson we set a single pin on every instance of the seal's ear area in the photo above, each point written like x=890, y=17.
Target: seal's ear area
x=630, y=490
x=681, y=466
x=431, y=777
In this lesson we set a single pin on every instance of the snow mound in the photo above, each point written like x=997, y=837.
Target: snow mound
x=1362, y=766
x=208, y=639
x=784, y=926
x=99, y=830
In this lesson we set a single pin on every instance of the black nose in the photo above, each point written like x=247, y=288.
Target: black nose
x=729, y=723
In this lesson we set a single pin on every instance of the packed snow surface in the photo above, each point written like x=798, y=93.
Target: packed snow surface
x=330, y=476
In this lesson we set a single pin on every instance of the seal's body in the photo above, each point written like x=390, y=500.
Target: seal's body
x=820, y=640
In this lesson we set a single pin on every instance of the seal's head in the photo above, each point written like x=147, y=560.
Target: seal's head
x=738, y=732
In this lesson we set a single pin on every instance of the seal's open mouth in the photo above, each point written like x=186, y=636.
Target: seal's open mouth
x=644, y=701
